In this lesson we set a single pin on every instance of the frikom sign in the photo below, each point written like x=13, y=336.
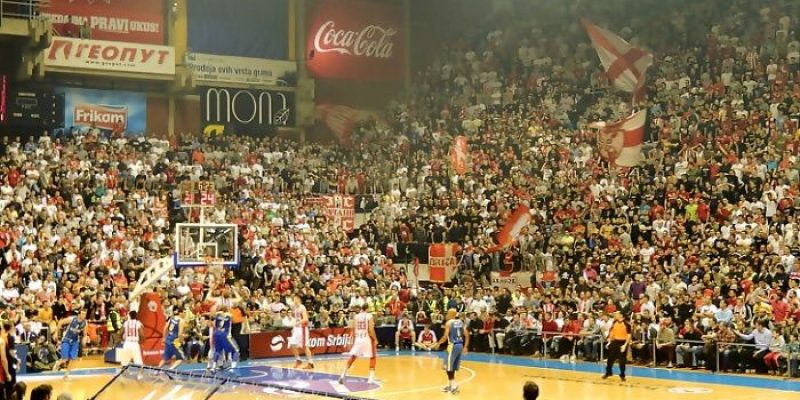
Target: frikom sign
x=81, y=55
x=101, y=116
x=247, y=109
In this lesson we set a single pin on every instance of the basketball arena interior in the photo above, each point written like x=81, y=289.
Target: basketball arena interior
x=399, y=199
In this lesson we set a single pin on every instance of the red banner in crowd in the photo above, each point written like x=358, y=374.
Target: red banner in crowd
x=356, y=39
x=321, y=341
x=442, y=261
x=341, y=210
x=139, y=21
x=458, y=155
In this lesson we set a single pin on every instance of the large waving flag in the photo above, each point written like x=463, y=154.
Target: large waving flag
x=625, y=65
x=621, y=142
x=342, y=119
x=512, y=229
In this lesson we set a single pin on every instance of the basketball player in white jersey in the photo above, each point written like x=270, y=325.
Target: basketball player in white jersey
x=299, y=338
x=363, y=327
x=131, y=336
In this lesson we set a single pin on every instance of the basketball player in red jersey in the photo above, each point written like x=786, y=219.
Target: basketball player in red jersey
x=426, y=339
x=405, y=332
x=299, y=338
x=363, y=327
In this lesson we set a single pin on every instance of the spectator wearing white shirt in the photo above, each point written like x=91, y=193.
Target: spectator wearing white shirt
x=763, y=339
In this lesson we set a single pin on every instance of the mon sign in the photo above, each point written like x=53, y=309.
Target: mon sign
x=245, y=110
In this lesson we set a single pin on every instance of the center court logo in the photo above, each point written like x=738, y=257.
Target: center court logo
x=277, y=343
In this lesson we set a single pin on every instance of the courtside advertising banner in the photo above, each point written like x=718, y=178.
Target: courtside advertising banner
x=106, y=110
x=322, y=341
x=137, y=21
x=356, y=40
x=80, y=55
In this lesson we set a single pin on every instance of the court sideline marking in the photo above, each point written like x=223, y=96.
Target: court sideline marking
x=472, y=376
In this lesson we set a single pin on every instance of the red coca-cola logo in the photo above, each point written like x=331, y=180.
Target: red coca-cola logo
x=106, y=117
x=371, y=41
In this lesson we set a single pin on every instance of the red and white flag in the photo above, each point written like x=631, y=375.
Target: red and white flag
x=621, y=142
x=625, y=65
x=342, y=119
x=512, y=229
x=458, y=155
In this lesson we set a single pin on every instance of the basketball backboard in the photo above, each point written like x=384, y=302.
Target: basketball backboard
x=198, y=244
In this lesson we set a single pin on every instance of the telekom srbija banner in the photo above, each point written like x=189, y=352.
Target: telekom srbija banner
x=138, y=21
x=321, y=341
x=356, y=40
x=79, y=55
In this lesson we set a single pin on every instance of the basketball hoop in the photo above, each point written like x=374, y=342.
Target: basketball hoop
x=215, y=265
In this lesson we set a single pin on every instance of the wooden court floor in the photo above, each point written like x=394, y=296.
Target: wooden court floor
x=482, y=378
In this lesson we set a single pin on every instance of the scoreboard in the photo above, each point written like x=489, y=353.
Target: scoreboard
x=201, y=193
x=29, y=107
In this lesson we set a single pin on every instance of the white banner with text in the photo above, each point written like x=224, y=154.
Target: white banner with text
x=101, y=55
x=243, y=70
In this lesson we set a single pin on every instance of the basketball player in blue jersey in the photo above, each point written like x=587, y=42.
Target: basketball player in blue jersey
x=457, y=338
x=224, y=345
x=71, y=341
x=173, y=343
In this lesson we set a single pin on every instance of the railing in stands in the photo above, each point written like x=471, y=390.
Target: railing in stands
x=791, y=360
x=25, y=9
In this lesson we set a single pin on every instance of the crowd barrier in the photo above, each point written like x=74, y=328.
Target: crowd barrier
x=269, y=344
x=791, y=362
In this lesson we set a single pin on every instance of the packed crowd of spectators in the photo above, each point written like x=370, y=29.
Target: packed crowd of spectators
x=699, y=243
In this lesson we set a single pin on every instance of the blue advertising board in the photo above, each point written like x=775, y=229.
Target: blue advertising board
x=240, y=28
x=107, y=110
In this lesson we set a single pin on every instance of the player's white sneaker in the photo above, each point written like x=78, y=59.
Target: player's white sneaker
x=454, y=390
x=446, y=389
x=340, y=380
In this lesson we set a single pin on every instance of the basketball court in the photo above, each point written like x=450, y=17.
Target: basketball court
x=413, y=376
x=212, y=247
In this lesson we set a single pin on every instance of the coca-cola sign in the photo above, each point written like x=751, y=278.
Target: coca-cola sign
x=356, y=39
x=371, y=41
